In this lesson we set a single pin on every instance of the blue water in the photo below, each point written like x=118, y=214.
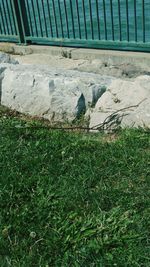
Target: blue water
x=89, y=28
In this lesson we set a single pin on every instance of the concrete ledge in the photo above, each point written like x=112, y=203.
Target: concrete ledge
x=111, y=56
x=35, y=49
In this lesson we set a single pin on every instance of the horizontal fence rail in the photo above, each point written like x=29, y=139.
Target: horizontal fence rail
x=112, y=24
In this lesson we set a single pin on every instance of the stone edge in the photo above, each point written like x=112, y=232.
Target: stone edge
x=115, y=57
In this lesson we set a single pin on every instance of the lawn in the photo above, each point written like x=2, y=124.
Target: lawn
x=71, y=198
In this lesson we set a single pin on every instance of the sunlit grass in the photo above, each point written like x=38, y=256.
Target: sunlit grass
x=72, y=199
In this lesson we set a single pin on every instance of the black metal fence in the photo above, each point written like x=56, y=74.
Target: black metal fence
x=110, y=24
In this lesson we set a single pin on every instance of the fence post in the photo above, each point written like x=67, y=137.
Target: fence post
x=21, y=20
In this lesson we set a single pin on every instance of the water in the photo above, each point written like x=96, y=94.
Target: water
x=78, y=19
x=84, y=25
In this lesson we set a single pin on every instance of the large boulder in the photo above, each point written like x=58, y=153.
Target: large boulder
x=2, y=69
x=6, y=58
x=49, y=93
x=124, y=104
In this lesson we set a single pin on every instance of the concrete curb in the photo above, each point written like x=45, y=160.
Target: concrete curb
x=111, y=56
x=35, y=49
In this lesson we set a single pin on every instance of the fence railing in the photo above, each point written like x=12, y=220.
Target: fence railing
x=112, y=24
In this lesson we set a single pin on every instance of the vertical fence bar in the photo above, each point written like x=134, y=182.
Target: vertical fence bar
x=105, y=22
x=13, y=18
x=49, y=17
x=143, y=19
x=91, y=19
x=9, y=17
x=24, y=18
x=72, y=18
x=66, y=18
x=5, y=16
x=78, y=18
x=112, y=20
x=34, y=17
x=21, y=20
x=18, y=21
x=55, y=20
x=98, y=20
x=119, y=17
x=1, y=31
x=60, y=16
x=29, y=15
x=135, y=20
x=8, y=23
x=2, y=18
x=44, y=17
x=0, y=28
x=39, y=17
x=84, y=18
x=127, y=18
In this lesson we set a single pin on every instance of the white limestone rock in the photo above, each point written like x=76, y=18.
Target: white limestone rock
x=50, y=93
x=2, y=69
x=124, y=104
x=6, y=58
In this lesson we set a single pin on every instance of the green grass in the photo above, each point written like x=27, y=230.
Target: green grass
x=73, y=199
